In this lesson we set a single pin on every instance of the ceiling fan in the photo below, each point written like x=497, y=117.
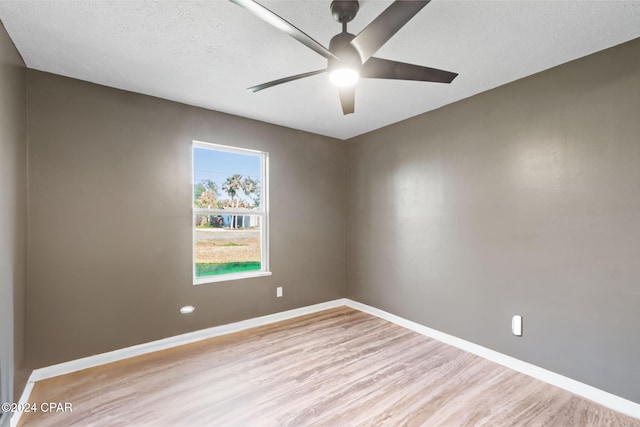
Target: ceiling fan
x=349, y=56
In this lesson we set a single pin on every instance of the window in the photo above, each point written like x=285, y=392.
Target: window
x=230, y=221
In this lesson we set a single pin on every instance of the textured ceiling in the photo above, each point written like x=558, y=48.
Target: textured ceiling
x=206, y=53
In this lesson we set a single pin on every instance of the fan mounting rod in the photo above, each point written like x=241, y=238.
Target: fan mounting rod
x=344, y=11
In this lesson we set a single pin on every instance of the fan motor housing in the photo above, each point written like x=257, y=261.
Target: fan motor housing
x=347, y=54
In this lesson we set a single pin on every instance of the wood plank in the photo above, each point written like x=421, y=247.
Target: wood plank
x=332, y=368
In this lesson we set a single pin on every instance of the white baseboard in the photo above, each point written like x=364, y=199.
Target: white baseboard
x=601, y=397
x=24, y=398
x=190, y=337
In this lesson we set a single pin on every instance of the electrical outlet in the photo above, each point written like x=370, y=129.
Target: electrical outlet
x=279, y=291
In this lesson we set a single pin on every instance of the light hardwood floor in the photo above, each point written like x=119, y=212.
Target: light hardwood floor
x=339, y=367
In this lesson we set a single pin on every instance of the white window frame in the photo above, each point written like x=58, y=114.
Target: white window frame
x=263, y=212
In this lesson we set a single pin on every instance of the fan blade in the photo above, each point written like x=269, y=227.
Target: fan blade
x=284, y=80
x=381, y=29
x=280, y=23
x=377, y=68
x=347, y=99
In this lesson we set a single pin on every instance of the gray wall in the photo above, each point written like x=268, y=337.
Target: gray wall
x=521, y=200
x=110, y=219
x=13, y=191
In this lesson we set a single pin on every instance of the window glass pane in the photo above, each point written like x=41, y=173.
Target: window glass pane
x=227, y=244
x=225, y=179
x=229, y=211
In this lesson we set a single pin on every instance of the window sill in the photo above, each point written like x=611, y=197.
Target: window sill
x=232, y=276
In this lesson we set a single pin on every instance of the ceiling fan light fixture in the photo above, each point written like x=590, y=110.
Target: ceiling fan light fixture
x=344, y=77
x=349, y=55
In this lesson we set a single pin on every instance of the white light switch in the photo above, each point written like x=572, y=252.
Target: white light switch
x=516, y=325
x=279, y=291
